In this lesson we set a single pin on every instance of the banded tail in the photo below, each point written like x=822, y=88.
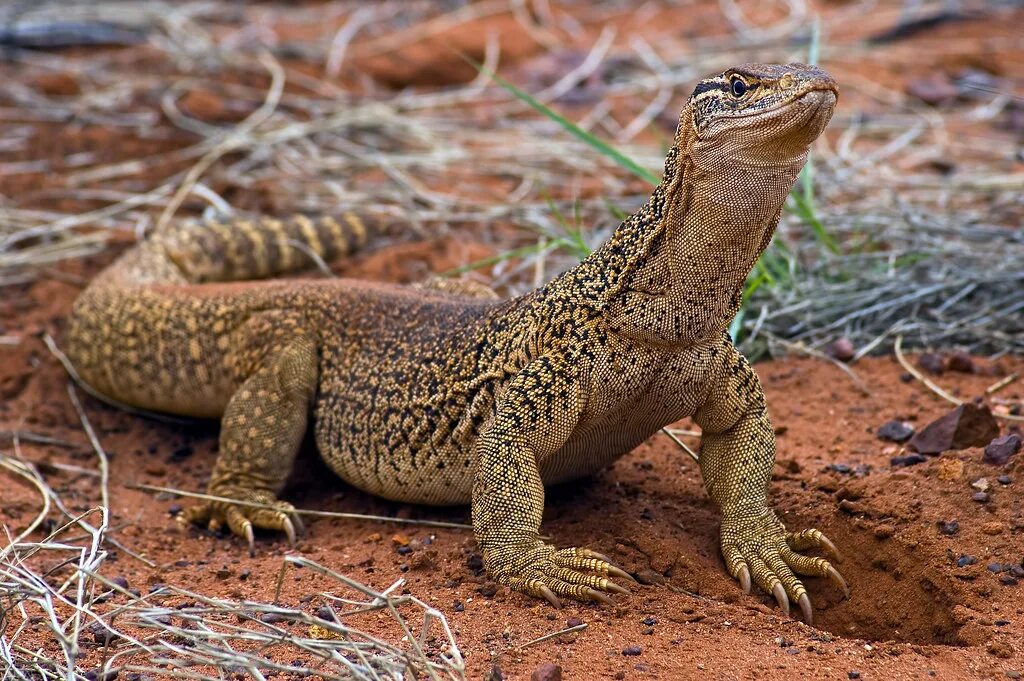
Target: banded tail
x=237, y=249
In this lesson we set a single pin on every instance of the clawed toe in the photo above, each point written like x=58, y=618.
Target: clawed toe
x=573, y=573
x=758, y=550
x=242, y=520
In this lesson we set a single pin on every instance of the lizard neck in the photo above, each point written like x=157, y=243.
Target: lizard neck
x=673, y=272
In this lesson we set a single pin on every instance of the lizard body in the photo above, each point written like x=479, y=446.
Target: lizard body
x=444, y=394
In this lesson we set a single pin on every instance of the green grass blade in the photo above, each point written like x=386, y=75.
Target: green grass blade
x=594, y=142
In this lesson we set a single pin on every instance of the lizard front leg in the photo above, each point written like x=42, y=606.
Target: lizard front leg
x=535, y=416
x=262, y=427
x=736, y=459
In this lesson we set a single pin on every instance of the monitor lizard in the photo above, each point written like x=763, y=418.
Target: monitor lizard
x=445, y=394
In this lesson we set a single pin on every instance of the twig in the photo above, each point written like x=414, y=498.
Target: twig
x=300, y=511
x=554, y=634
x=897, y=349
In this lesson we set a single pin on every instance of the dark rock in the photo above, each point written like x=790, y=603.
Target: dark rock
x=324, y=613
x=475, y=562
x=404, y=550
x=1000, y=449
x=948, y=527
x=895, y=431
x=1004, y=480
x=573, y=622
x=841, y=349
x=488, y=590
x=907, y=460
x=650, y=621
x=101, y=635
x=1008, y=580
x=932, y=363
x=841, y=468
x=969, y=425
x=854, y=674
x=965, y=560
x=121, y=581
x=244, y=574
x=547, y=672
x=459, y=606
x=935, y=89
x=495, y=674
x=960, y=361
x=994, y=567
x=632, y=651
x=980, y=497
x=272, y=618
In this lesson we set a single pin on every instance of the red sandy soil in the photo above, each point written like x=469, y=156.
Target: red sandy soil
x=912, y=613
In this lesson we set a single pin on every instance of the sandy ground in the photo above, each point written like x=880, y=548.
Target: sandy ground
x=918, y=607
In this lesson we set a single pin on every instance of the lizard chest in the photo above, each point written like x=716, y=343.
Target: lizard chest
x=635, y=390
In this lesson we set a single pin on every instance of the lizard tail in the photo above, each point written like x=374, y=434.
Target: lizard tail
x=237, y=249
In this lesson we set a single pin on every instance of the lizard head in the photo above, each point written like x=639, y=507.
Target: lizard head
x=760, y=113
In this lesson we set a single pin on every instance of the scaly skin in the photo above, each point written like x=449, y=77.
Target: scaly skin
x=442, y=394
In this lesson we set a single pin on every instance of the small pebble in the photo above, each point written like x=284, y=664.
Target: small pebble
x=1008, y=580
x=841, y=349
x=459, y=606
x=960, y=361
x=404, y=550
x=121, y=581
x=895, y=431
x=650, y=621
x=907, y=460
x=547, y=672
x=949, y=527
x=980, y=497
x=324, y=613
x=1004, y=480
x=573, y=622
x=1001, y=449
x=966, y=560
x=632, y=651
x=853, y=674
x=244, y=574
x=272, y=617
x=994, y=567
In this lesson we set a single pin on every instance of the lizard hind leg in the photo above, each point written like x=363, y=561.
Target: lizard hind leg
x=261, y=432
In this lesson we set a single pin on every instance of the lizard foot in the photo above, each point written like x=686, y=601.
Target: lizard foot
x=543, y=571
x=279, y=516
x=759, y=547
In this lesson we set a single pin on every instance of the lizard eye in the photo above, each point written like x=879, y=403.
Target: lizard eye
x=738, y=87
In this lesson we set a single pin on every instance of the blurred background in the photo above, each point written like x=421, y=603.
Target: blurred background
x=118, y=116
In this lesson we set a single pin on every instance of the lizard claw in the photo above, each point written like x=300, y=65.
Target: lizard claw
x=543, y=571
x=805, y=609
x=757, y=548
x=550, y=596
x=779, y=592
x=242, y=520
x=744, y=577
